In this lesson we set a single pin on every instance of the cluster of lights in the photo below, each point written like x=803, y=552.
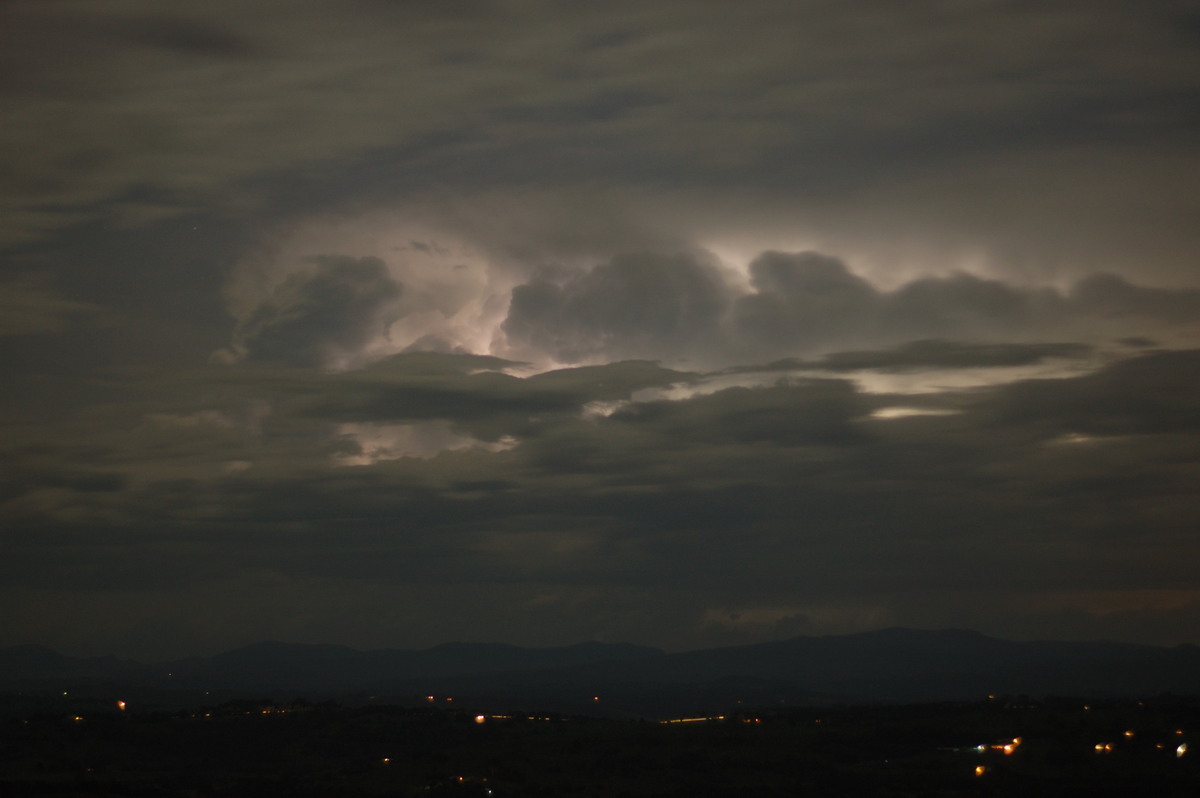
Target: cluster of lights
x=79, y=718
x=465, y=779
x=1007, y=748
x=1107, y=748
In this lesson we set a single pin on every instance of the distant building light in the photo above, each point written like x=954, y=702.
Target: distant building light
x=121, y=705
x=480, y=718
x=1181, y=750
x=980, y=770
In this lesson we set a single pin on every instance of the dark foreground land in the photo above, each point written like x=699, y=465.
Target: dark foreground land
x=1057, y=747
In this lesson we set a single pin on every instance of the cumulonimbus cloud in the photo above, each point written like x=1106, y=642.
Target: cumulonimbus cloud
x=322, y=314
x=683, y=308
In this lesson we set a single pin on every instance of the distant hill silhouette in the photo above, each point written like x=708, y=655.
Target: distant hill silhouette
x=887, y=665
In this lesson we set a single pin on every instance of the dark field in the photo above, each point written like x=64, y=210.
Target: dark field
x=265, y=748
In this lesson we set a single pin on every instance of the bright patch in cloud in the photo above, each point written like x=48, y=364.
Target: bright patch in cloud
x=906, y=412
x=367, y=444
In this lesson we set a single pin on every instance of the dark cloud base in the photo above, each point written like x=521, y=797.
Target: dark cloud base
x=770, y=503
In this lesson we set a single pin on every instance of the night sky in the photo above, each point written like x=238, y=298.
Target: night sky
x=682, y=323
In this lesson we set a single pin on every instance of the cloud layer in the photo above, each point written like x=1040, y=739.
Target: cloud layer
x=790, y=499
x=395, y=323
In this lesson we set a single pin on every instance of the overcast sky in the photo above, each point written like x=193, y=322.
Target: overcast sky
x=681, y=323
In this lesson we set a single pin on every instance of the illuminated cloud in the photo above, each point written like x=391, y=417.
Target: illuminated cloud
x=634, y=306
x=390, y=323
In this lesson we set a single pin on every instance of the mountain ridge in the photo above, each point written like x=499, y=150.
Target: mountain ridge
x=893, y=664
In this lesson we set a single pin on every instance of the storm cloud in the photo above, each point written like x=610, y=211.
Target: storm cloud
x=389, y=324
x=633, y=306
x=316, y=316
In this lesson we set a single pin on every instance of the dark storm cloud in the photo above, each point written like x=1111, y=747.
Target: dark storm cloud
x=922, y=114
x=1154, y=394
x=964, y=304
x=787, y=495
x=1112, y=296
x=816, y=452
x=467, y=391
x=332, y=309
x=633, y=306
x=812, y=412
x=931, y=201
x=810, y=299
x=800, y=303
x=806, y=298
x=926, y=354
